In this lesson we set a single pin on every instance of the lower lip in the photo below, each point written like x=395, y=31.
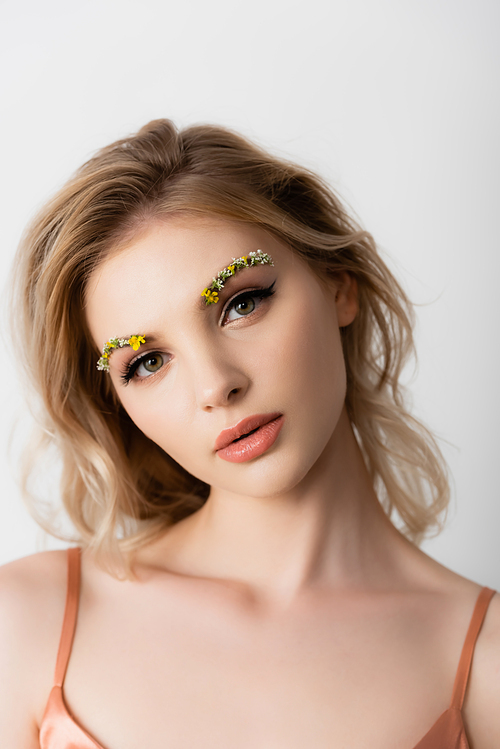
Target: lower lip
x=254, y=445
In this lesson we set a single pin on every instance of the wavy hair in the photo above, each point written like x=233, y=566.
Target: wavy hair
x=119, y=488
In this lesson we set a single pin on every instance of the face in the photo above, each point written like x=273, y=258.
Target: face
x=270, y=348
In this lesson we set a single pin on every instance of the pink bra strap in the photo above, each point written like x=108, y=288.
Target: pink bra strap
x=465, y=662
x=70, y=616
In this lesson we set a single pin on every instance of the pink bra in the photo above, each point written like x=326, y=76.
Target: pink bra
x=59, y=730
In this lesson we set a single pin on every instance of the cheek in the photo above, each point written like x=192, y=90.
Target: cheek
x=170, y=424
x=309, y=356
x=160, y=416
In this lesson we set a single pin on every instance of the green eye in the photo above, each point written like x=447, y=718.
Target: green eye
x=152, y=363
x=246, y=303
x=144, y=367
x=245, y=307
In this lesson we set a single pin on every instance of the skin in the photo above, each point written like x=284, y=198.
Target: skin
x=288, y=611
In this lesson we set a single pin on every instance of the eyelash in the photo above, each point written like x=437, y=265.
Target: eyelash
x=259, y=293
x=129, y=370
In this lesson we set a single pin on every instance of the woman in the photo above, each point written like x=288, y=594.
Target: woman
x=230, y=466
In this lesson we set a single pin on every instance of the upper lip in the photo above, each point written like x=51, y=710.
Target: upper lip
x=243, y=427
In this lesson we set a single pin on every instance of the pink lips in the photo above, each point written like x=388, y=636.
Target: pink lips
x=250, y=437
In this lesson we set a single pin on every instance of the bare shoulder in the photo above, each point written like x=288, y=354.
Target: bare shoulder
x=483, y=695
x=32, y=598
x=480, y=709
x=31, y=586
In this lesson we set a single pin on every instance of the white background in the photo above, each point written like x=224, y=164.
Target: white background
x=396, y=102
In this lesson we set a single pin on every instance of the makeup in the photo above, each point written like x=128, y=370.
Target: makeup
x=134, y=341
x=211, y=292
x=152, y=363
x=250, y=438
x=239, y=299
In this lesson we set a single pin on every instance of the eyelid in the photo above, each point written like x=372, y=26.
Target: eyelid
x=137, y=358
x=233, y=299
x=258, y=291
x=129, y=369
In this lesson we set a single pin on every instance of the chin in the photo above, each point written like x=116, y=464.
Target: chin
x=270, y=475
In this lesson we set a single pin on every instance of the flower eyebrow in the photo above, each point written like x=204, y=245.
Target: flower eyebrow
x=211, y=292
x=134, y=341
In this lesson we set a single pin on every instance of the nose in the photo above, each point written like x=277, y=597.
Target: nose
x=219, y=380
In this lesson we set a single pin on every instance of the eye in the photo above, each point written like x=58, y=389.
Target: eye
x=149, y=365
x=245, y=304
x=142, y=368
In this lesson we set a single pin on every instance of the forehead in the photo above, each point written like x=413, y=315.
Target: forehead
x=166, y=266
x=198, y=240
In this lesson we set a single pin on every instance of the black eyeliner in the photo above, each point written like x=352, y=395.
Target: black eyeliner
x=258, y=292
x=128, y=370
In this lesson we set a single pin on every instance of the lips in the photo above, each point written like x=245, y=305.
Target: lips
x=252, y=438
x=243, y=428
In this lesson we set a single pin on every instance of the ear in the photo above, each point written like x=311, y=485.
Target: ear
x=346, y=298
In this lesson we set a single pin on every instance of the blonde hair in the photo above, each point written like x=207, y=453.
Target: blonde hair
x=121, y=490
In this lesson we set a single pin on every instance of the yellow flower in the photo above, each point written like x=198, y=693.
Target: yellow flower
x=105, y=355
x=212, y=297
x=244, y=258
x=206, y=293
x=135, y=341
x=231, y=269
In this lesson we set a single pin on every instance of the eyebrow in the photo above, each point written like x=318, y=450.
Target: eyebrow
x=211, y=292
x=116, y=343
x=148, y=338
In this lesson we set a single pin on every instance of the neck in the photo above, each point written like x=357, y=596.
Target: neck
x=329, y=530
